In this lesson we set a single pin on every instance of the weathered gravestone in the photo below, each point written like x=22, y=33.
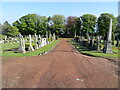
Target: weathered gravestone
x=46, y=37
x=36, y=40
x=92, y=42
x=21, y=48
x=30, y=48
x=108, y=44
x=54, y=37
x=98, y=43
x=50, y=37
x=118, y=42
x=39, y=41
x=88, y=38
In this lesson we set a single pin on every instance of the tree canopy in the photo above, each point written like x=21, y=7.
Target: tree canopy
x=89, y=23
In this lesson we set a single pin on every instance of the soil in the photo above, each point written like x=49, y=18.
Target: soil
x=62, y=67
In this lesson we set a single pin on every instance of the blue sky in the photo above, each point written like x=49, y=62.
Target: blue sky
x=12, y=11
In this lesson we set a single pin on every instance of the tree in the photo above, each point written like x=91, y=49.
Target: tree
x=13, y=31
x=71, y=25
x=58, y=24
x=5, y=28
x=89, y=22
x=30, y=24
x=103, y=24
x=117, y=31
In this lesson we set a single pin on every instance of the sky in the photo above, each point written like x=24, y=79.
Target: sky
x=12, y=11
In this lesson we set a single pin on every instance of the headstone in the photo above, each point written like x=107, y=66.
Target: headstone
x=30, y=48
x=46, y=37
x=108, y=45
x=118, y=42
x=42, y=44
x=98, y=43
x=92, y=42
x=54, y=37
x=21, y=48
x=36, y=40
x=50, y=37
x=75, y=34
x=88, y=38
x=39, y=41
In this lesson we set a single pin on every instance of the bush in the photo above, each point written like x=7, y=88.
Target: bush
x=27, y=45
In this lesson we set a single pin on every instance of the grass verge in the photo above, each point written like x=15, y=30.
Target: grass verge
x=35, y=53
x=86, y=51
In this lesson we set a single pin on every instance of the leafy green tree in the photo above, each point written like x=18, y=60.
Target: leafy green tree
x=58, y=22
x=89, y=23
x=31, y=23
x=117, y=31
x=5, y=28
x=13, y=31
x=103, y=25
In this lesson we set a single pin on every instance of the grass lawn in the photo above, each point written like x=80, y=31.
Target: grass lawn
x=87, y=51
x=35, y=53
x=8, y=46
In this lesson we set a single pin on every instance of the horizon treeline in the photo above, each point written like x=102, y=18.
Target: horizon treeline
x=63, y=27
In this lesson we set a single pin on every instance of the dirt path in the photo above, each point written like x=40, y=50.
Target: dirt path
x=63, y=67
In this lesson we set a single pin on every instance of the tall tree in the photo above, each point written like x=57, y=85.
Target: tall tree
x=71, y=25
x=6, y=27
x=103, y=25
x=31, y=23
x=13, y=31
x=89, y=23
x=58, y=24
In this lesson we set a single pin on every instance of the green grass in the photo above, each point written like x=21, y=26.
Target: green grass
x=35, y=53
x=8, y=46
x=87, y=51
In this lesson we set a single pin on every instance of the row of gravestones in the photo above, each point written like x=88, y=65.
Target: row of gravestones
x=9, y=40
x=95, y=42
x=38, y=41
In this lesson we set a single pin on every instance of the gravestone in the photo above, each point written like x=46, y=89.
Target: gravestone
x=118, y=42
x=108, y=44
x=50, y=37
x=21, y=48
x=39, y=41
x=54, y=37
x=46, y=37
x=30, y=48
x=75, y=34
x=98, y=43
x=92, y=42
x=36, y=40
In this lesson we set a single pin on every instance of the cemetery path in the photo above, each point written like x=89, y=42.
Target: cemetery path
x=62, y=67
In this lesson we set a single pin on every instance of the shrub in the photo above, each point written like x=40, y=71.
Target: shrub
x=27, y=45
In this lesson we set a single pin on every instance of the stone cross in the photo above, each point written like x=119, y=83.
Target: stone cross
x=108, y=45
x=30, y=48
